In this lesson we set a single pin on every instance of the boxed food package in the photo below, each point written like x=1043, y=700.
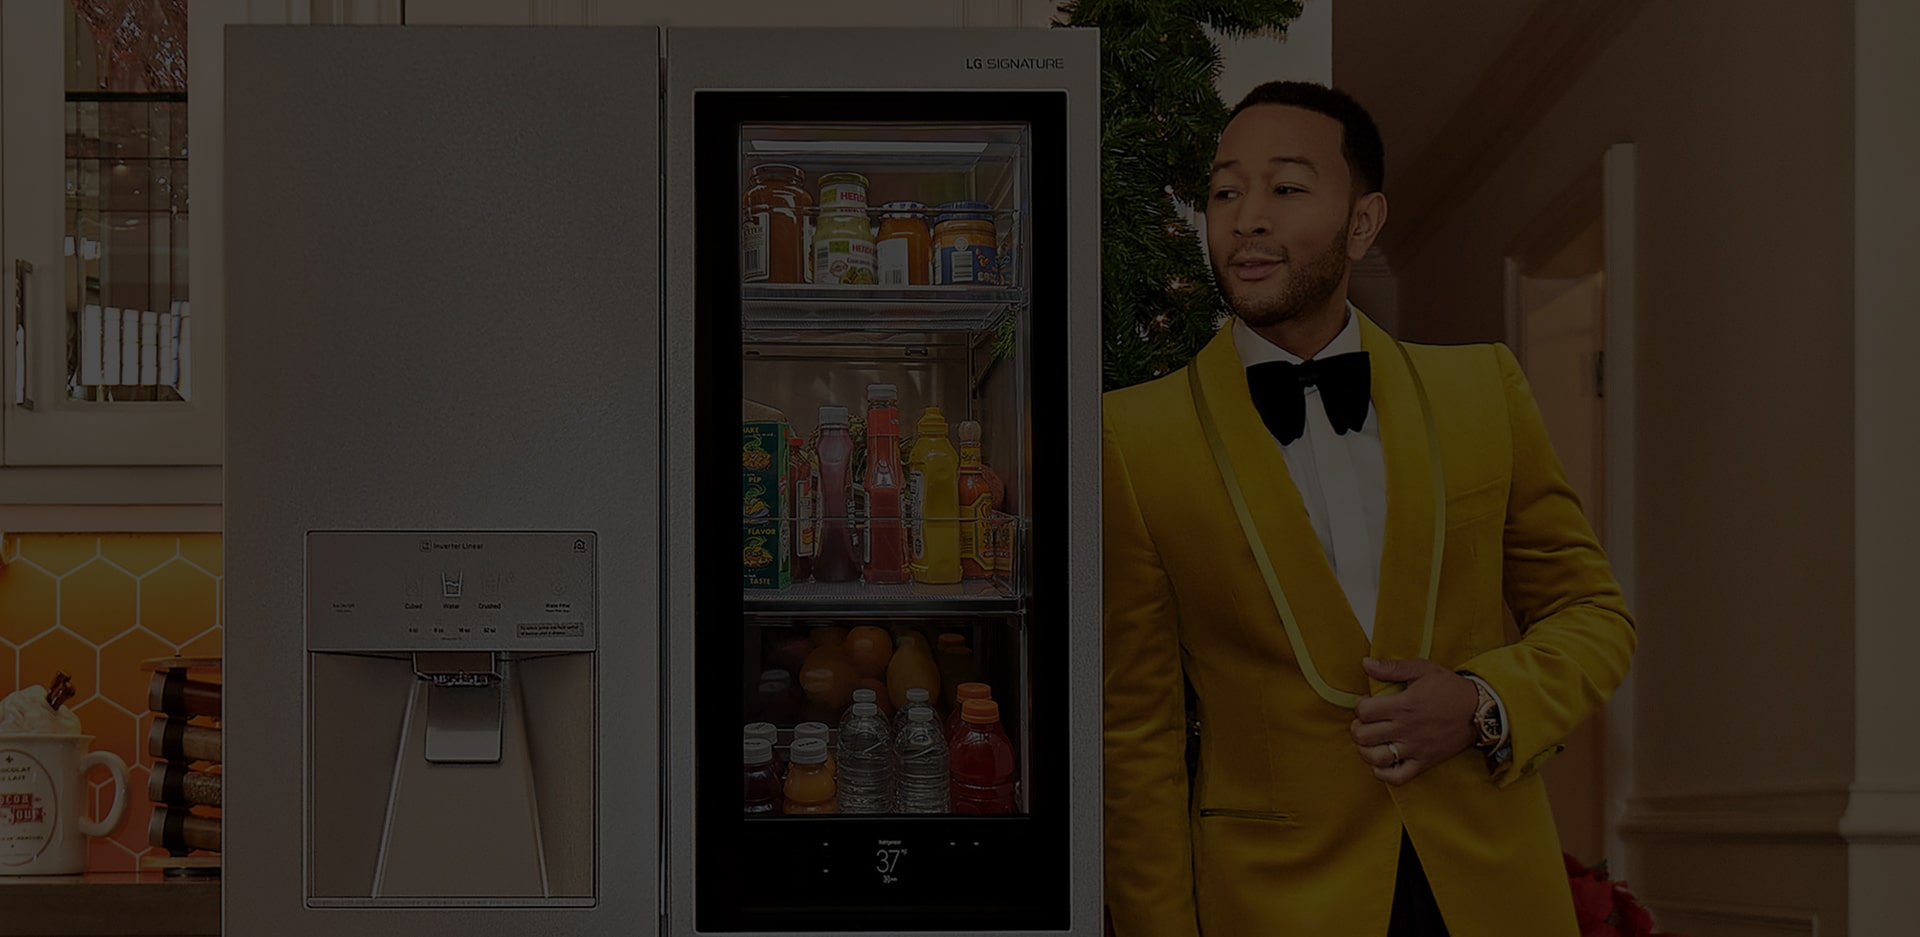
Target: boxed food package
x=767, y=521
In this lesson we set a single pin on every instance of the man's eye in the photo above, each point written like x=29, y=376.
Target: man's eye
x=1286, y=190
x=1223, y=195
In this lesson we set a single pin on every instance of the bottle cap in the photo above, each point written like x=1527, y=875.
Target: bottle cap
x=888, y=391
x=866, y=709
x=967, y=691
x=833, y=416
x=980, y=711
x=951, y=640
x=757, y=751
x=765, y=731
x=775, y=676
x=811, y=730
x=864, y=695
x=933, y=422
x=782, y=168
x=968, y=431
x=918, y=694
x=904, y=210
x=808, y=752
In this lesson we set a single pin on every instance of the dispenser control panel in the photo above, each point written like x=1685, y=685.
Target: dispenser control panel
x=444, y=590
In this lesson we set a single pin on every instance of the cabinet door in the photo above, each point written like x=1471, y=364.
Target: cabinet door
x=111, y=361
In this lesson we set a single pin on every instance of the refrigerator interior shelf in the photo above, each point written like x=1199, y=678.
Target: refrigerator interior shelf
x=908, y=308
x=856, y=599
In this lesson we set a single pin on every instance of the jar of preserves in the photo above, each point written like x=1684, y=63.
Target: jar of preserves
x=776, y=233
x=843, y=190
x=904, y=248
x=965, y=251
x=843, y=248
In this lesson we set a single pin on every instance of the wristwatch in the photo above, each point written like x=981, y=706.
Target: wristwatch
x=1488, y=722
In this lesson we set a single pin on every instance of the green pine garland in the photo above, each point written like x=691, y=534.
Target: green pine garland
x=1160, y=118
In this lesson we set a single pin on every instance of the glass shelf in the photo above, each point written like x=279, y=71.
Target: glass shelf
x=809, y=307
x=858, y=599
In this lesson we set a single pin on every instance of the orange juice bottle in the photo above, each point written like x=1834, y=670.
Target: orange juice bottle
x=810, y=786
x=912, y=666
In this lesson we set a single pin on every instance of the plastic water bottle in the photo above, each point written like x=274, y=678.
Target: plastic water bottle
x=917, y=698
x=920, y=764
x=866, y=761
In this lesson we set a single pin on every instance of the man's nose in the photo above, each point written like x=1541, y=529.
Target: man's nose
x=1251, y=217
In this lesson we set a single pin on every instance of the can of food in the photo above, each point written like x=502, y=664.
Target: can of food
x=903, y=251
x=962, y=211
x=843, y=190
x=966, y=251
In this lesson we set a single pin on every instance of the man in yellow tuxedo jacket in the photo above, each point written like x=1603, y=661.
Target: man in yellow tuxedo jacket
x=1314, y=526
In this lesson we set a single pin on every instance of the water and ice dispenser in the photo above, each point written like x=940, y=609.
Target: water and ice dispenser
x=450, y=744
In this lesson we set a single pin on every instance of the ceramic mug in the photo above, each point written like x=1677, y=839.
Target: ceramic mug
x=43, y=802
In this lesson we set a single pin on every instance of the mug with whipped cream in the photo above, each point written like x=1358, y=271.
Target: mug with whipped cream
x=43, y=785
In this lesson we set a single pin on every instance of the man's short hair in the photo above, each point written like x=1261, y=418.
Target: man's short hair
x=1360, y=140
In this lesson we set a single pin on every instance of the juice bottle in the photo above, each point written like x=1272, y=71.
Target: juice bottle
x=801, y=477
x=912, y=667
x=982, y=759
x=886, y=530
x=955, y=661
x=962, y=693
x=816, y=730
x=828, y=677
x=762, y=784
x=810, y=787
x=833, y=559
x=769, y=733
x=976, y=503
x=933, y=470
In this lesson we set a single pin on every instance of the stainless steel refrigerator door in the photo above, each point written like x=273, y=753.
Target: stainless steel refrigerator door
x=443, y=271
x=876, y=60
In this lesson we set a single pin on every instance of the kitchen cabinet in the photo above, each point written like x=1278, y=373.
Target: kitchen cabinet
x=111, y=371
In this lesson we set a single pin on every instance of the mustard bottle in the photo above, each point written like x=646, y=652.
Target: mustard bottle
x=933, y=477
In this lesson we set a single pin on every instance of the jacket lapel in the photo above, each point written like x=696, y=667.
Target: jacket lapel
x=1327, y=625
x=1406, y=556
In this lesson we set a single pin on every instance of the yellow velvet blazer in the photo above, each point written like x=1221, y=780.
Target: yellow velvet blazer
x=1287, y=831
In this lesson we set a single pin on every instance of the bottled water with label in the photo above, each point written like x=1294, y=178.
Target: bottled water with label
x=865, y=761
x=920, y=764
x=917, y=698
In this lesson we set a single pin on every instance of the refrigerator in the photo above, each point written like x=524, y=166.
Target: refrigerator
x=509, y=580
x=785, y=150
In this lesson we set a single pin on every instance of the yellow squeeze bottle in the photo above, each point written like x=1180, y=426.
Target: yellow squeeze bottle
x=933, y=472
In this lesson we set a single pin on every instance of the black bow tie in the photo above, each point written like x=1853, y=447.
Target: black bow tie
x=1280, y=393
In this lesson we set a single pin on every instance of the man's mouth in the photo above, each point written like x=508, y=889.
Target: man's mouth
x=1250, y=268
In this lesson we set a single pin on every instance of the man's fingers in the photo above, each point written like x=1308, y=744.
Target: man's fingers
x=1399, y=774
x=1379, y=756
x=1373, y=733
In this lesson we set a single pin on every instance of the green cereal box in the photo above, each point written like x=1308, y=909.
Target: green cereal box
x=765, y=550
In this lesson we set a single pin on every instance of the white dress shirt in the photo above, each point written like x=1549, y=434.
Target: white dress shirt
x=1342, y=478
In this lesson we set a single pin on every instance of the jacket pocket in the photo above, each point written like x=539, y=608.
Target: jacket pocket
x=1266, y=815
x=1477, y=504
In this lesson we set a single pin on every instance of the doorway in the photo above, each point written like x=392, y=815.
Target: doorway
x=1569, y=321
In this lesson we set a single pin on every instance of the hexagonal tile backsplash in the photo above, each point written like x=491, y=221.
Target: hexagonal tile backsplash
x=96, y=606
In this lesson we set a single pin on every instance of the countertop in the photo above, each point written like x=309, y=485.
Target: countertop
x=109, y=903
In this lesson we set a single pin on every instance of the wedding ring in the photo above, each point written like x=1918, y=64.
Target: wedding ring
x=1393, y=748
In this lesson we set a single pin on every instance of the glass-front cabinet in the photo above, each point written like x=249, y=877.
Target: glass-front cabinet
x=106, y=361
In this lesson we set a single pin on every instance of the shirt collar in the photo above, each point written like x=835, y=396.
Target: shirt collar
x=1255, y=349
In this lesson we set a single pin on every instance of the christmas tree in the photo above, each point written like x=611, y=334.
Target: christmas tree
x=1160, y=118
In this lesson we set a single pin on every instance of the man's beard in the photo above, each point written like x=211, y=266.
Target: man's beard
x=1308, y=287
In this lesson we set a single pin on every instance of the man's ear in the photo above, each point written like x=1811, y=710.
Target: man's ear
x=1368, y=216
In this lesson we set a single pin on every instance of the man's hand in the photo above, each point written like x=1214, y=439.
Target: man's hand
x=1403, y=734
